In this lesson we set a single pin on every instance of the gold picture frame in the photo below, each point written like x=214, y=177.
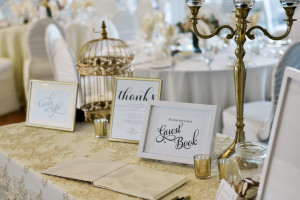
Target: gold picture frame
x=52, y=105
x=125, y=116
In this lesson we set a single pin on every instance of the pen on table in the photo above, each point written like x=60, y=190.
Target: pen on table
x=181, y=198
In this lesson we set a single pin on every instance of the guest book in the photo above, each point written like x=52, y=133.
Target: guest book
x=125, y=178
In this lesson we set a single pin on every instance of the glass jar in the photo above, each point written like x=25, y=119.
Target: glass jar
x=244, y=168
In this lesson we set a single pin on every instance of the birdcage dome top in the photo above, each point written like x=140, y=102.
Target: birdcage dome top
x=104, y=56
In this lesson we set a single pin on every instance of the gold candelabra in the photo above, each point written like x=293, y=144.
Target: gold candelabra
x=242, y=9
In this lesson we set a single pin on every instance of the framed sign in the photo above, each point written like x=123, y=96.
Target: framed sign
x=177, y=131
x=129, y=106
x=52, y=105
x=281, y=172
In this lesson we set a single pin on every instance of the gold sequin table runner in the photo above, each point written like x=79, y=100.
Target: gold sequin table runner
x=26, y=151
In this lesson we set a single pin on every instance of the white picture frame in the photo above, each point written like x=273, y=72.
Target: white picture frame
x=128, y=113
x=52, y=105
x=281, y=171
x=176, y=132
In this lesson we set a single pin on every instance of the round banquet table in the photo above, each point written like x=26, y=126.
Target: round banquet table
x=190, y=80
x=14, y=46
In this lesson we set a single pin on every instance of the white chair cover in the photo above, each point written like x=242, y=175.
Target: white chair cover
x=126, y=24
x=96, y=23
x=9, y=98
x=37, y=66
x=259, y=115
x=61, y=57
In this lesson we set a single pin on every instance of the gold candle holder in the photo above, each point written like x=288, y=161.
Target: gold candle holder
x=101, y=127
x=202, y=164
x=239, y=32
x=222, y=168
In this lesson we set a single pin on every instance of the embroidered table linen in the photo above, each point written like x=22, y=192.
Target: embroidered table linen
x=26, y=151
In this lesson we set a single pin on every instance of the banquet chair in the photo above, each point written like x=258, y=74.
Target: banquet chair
x=126, y=25
x=61, y=57
x=259, y=115
x=37, y=65
x=95, y=24
x=9, y=101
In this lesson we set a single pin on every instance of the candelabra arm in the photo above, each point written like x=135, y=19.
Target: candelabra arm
x=266, y=33
x=215, y=32
x=289, y=22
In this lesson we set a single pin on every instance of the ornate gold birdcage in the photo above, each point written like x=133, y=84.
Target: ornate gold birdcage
x=98, y=62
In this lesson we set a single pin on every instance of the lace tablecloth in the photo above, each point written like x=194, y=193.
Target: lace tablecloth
x=26, y=151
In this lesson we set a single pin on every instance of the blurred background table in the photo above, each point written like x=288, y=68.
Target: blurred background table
x=14, y=46
x=191, y=80
x=26, y=151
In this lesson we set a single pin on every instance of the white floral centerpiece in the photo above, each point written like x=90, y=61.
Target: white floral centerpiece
x=24, y=11
x=160, y=33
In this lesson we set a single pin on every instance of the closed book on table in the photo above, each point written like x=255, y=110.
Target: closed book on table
x=131, y=179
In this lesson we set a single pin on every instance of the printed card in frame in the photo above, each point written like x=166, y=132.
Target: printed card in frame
x=130, y=99
x=281, y=171
x=52, y=105
x=177, y=131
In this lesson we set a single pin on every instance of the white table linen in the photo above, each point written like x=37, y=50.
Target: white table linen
x=192, y=81
x=13, y=46
x=9, y=98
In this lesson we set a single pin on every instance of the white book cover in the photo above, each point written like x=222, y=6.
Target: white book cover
x=131, y=179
